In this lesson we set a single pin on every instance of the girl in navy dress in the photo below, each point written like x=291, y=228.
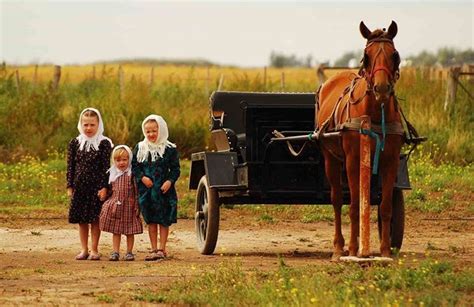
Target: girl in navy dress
x=156, y=168
x=87, y=164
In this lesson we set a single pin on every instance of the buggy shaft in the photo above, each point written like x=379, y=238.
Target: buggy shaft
x=307, y=137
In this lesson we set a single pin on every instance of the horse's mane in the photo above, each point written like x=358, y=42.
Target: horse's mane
x=379, y=33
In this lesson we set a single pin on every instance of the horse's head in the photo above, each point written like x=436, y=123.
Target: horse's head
x=381, y=60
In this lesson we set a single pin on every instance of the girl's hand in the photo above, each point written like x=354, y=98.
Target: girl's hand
x=102, y=194
x=166, y=186
x=147, y=182
x=70, y=192
x=137, y=212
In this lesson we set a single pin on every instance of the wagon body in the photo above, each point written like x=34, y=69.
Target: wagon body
x=247, y=167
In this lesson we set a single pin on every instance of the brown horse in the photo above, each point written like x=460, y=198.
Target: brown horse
x=342, y=100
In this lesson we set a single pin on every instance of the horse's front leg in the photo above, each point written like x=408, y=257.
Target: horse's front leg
x=333, y=173
x=388, y=169
x=351, y=149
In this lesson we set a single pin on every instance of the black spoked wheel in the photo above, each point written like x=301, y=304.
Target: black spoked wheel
x=206, y=217
x=397, y=225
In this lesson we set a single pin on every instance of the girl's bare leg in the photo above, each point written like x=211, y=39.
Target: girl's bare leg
x=95, y=236
x=164, y=231
x=153, y=234
x=116, y=242
x=130, y=242
x=84, y=237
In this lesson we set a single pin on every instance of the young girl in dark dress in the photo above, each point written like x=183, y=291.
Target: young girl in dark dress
x=156, y=168
x=87, y=180
x=120, y=214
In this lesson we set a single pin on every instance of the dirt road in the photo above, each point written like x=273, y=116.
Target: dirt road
x=37, y=266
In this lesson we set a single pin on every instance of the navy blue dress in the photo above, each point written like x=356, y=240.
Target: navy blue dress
x=158, y=207
x=87, y=174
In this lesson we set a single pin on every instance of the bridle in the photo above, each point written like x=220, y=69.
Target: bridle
x=370, y=74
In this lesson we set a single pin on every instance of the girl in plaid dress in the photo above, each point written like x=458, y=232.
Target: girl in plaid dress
x=120, y=213
x=156, y=169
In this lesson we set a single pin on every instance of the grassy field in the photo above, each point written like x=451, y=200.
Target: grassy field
x=35, y=118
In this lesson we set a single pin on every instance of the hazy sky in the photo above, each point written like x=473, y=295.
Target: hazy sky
x=226, y=32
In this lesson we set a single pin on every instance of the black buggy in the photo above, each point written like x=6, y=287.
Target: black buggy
x=251, y=166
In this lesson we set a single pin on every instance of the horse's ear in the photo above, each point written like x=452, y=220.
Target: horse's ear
x=392, y=29
x=364, y=30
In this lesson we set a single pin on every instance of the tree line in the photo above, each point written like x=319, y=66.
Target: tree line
x=443, y=57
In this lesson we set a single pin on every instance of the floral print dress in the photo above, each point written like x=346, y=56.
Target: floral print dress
x=86, y=175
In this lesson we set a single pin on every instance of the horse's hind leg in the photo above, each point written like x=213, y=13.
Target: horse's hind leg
x=333, y=174
x=389, y=168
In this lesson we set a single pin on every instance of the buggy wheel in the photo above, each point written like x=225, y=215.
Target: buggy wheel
x=397, y=225
x=206, y=217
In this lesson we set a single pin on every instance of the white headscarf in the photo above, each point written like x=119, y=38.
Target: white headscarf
x=114, y=172
x=94, y=142
x=157, y=148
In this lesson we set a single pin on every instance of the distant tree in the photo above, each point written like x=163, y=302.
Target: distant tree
x=347, y=57
x=444, y=56
x=280, y=60
x=308, y=60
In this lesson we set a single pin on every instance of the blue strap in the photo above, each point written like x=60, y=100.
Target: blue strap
x=378, y=145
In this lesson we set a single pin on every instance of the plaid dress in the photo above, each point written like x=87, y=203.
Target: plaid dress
x=119, y=212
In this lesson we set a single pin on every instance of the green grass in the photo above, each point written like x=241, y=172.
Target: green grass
x=105, y=298
x=438, y=187
x=36, y=188
x=404, y=283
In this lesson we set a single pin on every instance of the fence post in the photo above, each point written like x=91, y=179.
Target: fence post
x=208, y=80
x=103, y=71
x=35, y=75
x=152, y=77
x=320, y=74
x=282, y=82
x=121, y=82
x=56, y=77
x=453, y=75
x=265, y=78
x=17, y=81
x=3, y=70
x=221, y=82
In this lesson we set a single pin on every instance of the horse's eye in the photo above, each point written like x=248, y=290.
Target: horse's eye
x=396, y=59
